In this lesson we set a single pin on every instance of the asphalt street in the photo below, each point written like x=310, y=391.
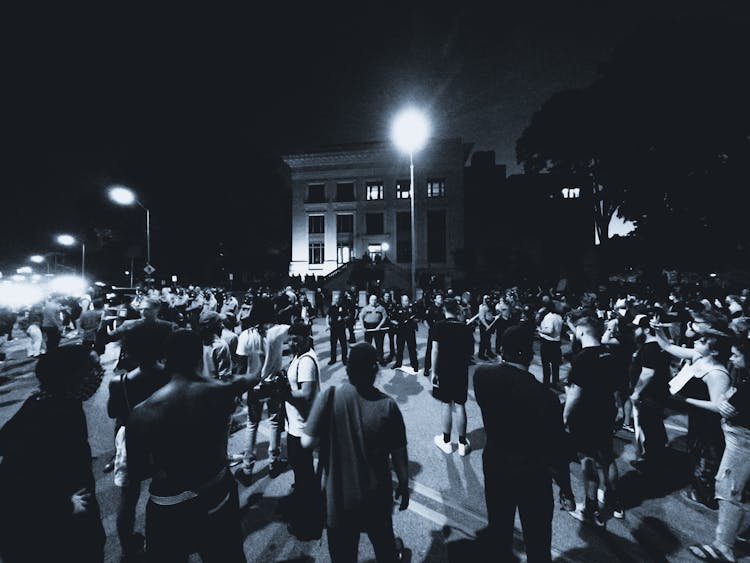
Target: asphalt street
x=447, y=504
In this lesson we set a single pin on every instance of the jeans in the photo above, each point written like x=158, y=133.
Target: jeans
x=731, y=478
x=306, y=497
x=551, y=358
x=254, y=413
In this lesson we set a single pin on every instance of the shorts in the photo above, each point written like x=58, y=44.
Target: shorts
x=594, y=443
x=452, y=390
x=121, y=460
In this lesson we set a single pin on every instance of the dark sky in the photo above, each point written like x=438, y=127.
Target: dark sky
x=185, y=106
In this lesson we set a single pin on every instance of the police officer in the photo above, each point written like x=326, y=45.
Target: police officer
x=434, y=313
x=351, y=309
x=390, y=308
x=373, y=318
x=338, y=315
x=406, y=332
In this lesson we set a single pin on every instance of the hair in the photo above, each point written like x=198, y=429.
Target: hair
x=452, y=306
x=362, y=365
x=591, y=325
x=299, y=329
x=60, y=370
x=183, y=351
x=98, y=303
x=518, y=345
x=262, y=312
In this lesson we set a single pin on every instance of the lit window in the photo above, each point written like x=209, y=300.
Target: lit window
x=345, y=191
x=316, y=193
x=403, y=189
x=316, y=224
x=374, y=191
x=436, y=188
x=571, y=193
x=316, y=253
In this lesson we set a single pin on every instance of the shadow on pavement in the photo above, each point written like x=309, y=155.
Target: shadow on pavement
x=671, y=475
x=401, y=386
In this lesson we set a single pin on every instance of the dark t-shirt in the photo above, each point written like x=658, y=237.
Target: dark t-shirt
x=595, y=371
x=456, y=345
x=651, y=356
x=522, y=420
x=357, y=432
x=144, y=340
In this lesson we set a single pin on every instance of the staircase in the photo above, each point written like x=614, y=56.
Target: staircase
x=362, y=273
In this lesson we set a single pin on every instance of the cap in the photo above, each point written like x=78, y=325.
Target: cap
x=208, y=318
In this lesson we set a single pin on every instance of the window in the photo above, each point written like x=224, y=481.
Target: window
x=345, y=223
x=402, y=189
x=436, y=188
x=375, y=251
x=343, y=253
x=316, y=224
x=374, y=223
x=345, y=191
x=436, y=236
x=403, y=237
x=316, y=253
x=316, y=193
x=374, y=191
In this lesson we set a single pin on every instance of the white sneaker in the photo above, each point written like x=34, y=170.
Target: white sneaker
x=464, y=449
x=447, y=447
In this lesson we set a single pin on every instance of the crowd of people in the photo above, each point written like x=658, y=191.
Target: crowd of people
x=190, y=358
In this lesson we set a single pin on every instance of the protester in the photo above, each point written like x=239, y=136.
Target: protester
x=359, y=429
x=217, y=358
x=452, y=348
x=550, y=333
x=179, y=435
x=50, y=513
x=52, y=325
x=525, y=443
x=433, y=314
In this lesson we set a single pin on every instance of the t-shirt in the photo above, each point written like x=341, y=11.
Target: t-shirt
x=455, y=347
x=522, y=420
x=372, y=315
x=594, y=370
x=51, y=316
x=217, y=360
x=358, y=431
x=275, y=337
x=651, y=356
x=551, y=327
x=301, y=369
x=251, y=344
x=89, y=323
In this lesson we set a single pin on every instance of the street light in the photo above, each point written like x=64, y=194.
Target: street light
x=69, y=240
x=125, y=196
x=410, y=132
x=37, y=259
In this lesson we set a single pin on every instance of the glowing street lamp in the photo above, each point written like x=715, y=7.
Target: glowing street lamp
x=69, y=240
x=37, y=259
x=125, y=196
x=410, y=132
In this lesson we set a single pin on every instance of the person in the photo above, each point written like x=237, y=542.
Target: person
x=650, y=393
x=406, y=332
x=390, y=307
x=485, y=319
x=525, y=443
x=217, y=358
x=303, y=376
x=734, y=470
x=336, y=321
x=52, y=324
x=179, y=435
x=504, y=320
x=590, y=414
x=452, y=348
x=230, y=305
x=350, y=302
x=34, y=330
x=359, y=429
x=701, y=383
x=141, y=358
x=259, y=350
x=433, y=314
x=550, y=333
x=90, y=322
x=51, y=514
x=374, y=318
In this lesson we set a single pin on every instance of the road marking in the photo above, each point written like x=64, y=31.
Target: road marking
x=675, y=427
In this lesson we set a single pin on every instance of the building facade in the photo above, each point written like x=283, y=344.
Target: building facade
x=354, y=201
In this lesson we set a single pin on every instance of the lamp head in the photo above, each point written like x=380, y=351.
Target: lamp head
x=121, y=195
x=410, y=130
x=66, y=240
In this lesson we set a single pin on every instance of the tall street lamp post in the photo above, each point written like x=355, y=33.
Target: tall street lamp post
x=68, y=240
x=125, y=196
x=410, y=132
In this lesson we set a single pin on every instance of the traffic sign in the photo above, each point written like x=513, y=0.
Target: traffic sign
x=149, y=269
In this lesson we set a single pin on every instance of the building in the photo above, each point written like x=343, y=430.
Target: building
x=353, y=201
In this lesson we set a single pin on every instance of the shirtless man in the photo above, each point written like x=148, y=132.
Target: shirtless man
x=182, y=429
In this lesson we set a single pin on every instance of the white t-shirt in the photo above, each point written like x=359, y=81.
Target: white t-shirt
x=275, y=337
x=551, y=327
x=250, y=343
x=301, y=369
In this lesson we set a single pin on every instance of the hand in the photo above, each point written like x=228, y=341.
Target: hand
x=80, y=500
x=727, y=410
x=403, y=494
x=635, y=398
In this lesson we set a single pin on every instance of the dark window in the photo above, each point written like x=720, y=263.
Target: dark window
x=374, y=191
x=403, y=237
x=374, y=223
x=436, y=187
x=316, y=193
x=316, y=224
x=345, y=191
x=436, y=236
x=345, y=223
x=402, y=189
x=316, y=253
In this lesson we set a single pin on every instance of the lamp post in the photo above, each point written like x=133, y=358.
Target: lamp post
x=38, y=259
x=410, y=132
x=69, y=240
x=125, y=196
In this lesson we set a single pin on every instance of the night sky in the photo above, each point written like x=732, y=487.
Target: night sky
x=192, y=109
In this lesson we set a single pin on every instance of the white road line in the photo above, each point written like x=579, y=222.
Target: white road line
x=675, y=427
